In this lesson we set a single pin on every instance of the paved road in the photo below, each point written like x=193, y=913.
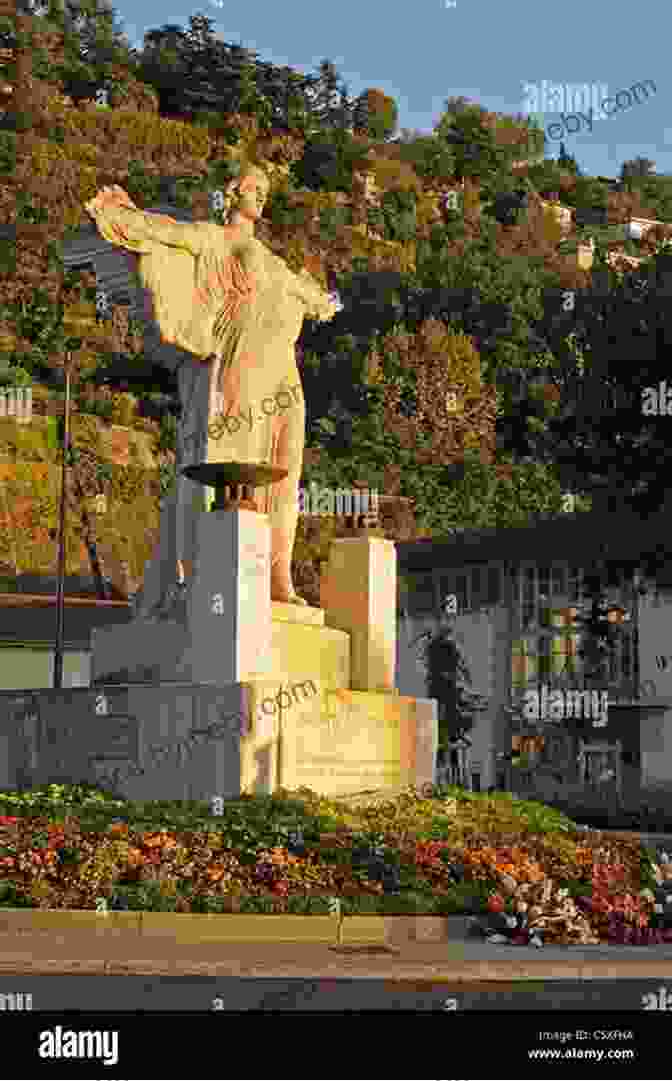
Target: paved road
x=192, y=993
x=658, y=840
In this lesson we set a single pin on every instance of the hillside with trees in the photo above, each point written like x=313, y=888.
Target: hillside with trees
x=479, y=367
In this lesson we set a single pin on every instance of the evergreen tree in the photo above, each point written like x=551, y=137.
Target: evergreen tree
x=609, y=346
x=567, y=161
x=250, y=98
x=325, y=96
x=163, y=65
x=637, y=169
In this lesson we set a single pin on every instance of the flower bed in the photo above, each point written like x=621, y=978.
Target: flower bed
x=528, y=871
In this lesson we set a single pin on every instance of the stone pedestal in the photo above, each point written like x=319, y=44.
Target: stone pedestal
x=216, y=627
x=229, y=605
x=358, y=592
x=224, y=692
x=218, y=631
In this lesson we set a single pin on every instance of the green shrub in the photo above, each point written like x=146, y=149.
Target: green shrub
x=140, y=185
x=55, y=796
x=333, y=219
x=327, y=165
x=282, y=211
x=143, y=897
x=429, y=156
x=167, y=439
x=11, y=896
x=7, y=152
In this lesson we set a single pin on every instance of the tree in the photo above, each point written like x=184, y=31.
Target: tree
x=567, y=161
x=345, y=110
x=590, y=199
x=214, y=69
x=507, y=206
x=431, y=158
x=473, y=144
x=609, y=346
x=195, y=72
x=318, y=167
x=433, y=397
x=23, y=66
x=93, y=45
x=286, y=86
x=637, y=169
x=250, y=98
x=455, y=106
x=163, y=64
x=325, y=96
x=375, y=114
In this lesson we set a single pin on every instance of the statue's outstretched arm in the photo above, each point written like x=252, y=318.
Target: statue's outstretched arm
x=319, y=305
x=121, y=223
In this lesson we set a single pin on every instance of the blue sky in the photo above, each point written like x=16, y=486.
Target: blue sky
x=423, y=52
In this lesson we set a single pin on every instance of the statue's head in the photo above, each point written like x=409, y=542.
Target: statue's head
x=247, y=194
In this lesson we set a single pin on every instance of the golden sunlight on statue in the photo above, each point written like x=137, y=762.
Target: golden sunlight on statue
x=234, y=311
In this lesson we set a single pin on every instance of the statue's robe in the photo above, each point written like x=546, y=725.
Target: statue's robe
x=230, y=333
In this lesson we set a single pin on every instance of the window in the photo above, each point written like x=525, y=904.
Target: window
x=494, y=588
x=417, y=593
x=475, y=588
x=546, y=645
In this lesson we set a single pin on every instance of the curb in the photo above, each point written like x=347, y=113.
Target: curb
x=354, y=933
x=429, y=949
x=196, y=928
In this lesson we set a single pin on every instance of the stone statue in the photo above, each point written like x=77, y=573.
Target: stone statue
x=232, y=311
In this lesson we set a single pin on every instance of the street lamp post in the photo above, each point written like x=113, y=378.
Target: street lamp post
x=60, y=593
x=637, y=581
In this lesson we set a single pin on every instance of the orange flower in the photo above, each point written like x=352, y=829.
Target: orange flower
x=215, y=872
x=156, y=840
x=506, y=868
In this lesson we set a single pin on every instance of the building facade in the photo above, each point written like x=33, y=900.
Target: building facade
x=28, y=619
x=516, y=594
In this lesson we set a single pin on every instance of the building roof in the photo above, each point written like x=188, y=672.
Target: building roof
x=28, y=612
x=578, y=538
x=87, y=247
